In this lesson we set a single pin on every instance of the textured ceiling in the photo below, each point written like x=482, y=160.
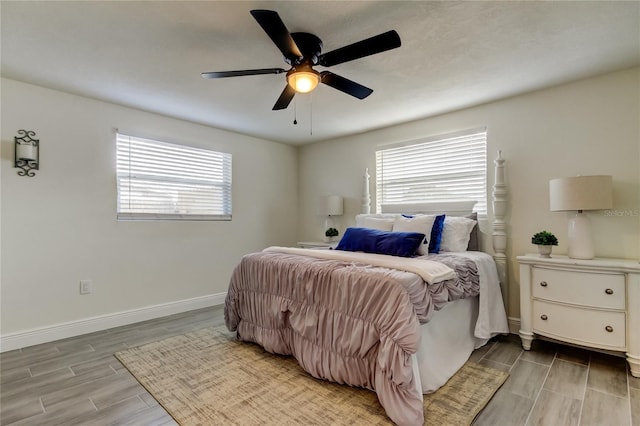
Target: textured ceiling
x=150, y=54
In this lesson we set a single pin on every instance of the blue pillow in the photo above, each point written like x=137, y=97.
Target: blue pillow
x=375, y=241
x=436, y=234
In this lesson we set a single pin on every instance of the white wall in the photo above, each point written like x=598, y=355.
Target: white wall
x=60, y=226
x=586, y=127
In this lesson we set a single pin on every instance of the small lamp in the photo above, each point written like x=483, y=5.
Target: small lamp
x=580, y=193
x=27, y=153
x=332, y=205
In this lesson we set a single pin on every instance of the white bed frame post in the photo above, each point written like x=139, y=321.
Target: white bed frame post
x=499, y=233
x=366, y=197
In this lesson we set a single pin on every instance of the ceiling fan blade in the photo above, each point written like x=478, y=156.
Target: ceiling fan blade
x=345, y=85
x=271, y=23
x=222, y=74
x=370, y=46
x=285, y=98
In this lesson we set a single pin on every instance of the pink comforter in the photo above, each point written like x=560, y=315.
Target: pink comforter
x=343, y=322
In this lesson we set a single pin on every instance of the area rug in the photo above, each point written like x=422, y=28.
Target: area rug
x=207, y=377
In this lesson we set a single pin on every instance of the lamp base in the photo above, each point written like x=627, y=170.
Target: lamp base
x=328, y=223
x=580, y=241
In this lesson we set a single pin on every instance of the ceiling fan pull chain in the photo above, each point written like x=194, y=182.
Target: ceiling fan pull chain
x=311, y=114
x=295, y=112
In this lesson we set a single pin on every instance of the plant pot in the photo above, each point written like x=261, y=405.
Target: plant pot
x=545, y=251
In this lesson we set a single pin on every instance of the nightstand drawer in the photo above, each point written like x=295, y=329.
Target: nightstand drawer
x=589, y=327
x=579, y=288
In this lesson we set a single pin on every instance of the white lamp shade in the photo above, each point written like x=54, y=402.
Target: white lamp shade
x=25, y=151
x=332, y=205
x=580, y=193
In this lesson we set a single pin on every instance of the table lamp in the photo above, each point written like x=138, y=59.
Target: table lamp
x=580, y=193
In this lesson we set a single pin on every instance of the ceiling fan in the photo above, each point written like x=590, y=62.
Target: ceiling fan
x=303, y=50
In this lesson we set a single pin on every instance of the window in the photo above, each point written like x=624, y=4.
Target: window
x=159, y=180
x=442, y=169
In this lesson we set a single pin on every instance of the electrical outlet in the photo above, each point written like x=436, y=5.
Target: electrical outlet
x=86, y=287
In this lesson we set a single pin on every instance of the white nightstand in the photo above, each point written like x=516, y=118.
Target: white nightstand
x=319, y=245
x=593, y=303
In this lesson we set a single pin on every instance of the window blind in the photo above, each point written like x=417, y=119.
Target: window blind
x=160, y=180
x=443, y=169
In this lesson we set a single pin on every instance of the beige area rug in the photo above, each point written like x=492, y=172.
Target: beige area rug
x=207, y=377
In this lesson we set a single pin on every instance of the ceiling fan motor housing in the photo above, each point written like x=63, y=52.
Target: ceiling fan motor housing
x=310, y=46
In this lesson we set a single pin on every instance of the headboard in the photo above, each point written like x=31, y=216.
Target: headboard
x=463, y=208
x=456, y=208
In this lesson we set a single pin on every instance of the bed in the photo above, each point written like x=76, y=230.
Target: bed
x=400, y=326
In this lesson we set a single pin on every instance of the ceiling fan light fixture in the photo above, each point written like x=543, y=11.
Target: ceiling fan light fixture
x=303, y=80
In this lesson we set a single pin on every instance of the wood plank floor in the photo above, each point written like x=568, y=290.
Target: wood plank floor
x=78, y=381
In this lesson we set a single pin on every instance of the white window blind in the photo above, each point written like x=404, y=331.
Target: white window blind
x=443, y=169
x=159, y=180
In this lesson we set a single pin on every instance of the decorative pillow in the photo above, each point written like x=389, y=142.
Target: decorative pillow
x=422, y=224
x=473, y=237
x=436, y=234
x=456, y=233
x=360, y=217
x=379, y=224
x=369, y=240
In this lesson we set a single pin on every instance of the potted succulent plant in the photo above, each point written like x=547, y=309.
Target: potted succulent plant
x=330, y=234
x=545, y=242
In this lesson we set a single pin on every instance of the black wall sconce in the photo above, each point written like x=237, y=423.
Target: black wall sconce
x=27, y=153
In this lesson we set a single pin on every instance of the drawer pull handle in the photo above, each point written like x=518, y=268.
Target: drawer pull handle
x=543, y=317
x=609, y=329
x=608, y=291
x=543, y=284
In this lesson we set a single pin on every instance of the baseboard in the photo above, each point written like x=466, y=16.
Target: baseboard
x=36, y=336
x=514, y=325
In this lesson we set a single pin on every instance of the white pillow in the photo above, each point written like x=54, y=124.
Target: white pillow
x=421, y=224
x=456, y=233
x=362, y=216
x=379, y=224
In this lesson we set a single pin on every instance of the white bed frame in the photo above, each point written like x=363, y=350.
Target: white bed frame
x=448, y=339
x=499, y=229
